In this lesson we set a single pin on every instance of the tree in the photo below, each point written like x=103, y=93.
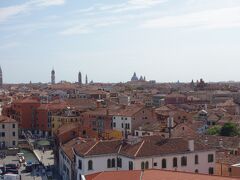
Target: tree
x=215, y=130
x=229, y=129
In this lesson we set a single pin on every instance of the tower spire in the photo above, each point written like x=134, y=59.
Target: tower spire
x=1, y=77
x=86, y=80
x=53, y=76
x=80, y=78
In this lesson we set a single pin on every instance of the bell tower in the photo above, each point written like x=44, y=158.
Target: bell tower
x=80, y=78
x=53, y=76
x=1, y=78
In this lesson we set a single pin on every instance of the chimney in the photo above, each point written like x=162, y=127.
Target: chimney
x=170, y=122
x=206, y=141
x=107, y=111
x=98, y=104
x=205, y=107
x=191, y=145
x=220, y=142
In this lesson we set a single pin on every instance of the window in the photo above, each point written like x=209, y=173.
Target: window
x=175, y=162
x=210, y=158
x=164, y=163
x=13, y=133
x=196, y=170
x=109, y=163
x=155, y=164
x=130, y=165
x=119, y=162
x=90, y=165
x=229, y=170
x=196, y=159
x=13, y=126
x=136, y=133
x=14, y=143
x=210, y=170
x=3, y=126
x=184, y=161
x=146, y=165
x=113, y=162
x=114, y=124
x=2, y=145
x=79, y=164
x=142, y=165
x=122, y=125
x=3, y=134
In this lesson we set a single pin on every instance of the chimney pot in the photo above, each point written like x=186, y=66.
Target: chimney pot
x=191, y=145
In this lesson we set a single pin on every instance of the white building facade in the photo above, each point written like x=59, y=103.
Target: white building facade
x=100, y=156
x=122, y=124
x=8, y=132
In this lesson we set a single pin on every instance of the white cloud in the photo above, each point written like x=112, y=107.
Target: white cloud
x=215, y=18
x=75, y=30
x=129, y=5
x=146, y=2
x=9, y=45
x=49, y=2
x=90, y=25
x=7, y=12
x=11, y=11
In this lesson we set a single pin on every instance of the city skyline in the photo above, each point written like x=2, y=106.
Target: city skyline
x=165, y=40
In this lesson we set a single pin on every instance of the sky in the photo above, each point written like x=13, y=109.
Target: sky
x=109, y=40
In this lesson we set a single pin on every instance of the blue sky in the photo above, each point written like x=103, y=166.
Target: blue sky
x=165, y=40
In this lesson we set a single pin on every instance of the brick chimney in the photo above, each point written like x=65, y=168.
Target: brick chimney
x=220, y=143
x=191, y=145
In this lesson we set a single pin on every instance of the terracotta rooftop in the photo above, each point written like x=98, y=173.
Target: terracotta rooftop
x=153, y=175
x=227, y=142
x=66, y=128
x=224, y=158
x=147, y=146
x=129, y=110
x=5, y=119
x=27, y=100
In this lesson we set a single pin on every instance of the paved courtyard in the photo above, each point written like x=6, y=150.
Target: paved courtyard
x=47, y=158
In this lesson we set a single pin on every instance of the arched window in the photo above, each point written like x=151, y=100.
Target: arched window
x=130, y=165
x=113, y=162
x=184, y=161
x=79, y=164
x=196, y=159
x=164, y=163
x=90, y=165
x=119, y=162
x=142, y=165
x=146, y=165
x=196, y=170
x=175, y=162
x=109, y=163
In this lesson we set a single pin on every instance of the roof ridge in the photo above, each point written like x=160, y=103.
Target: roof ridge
x=119, y=149
x=91, y=148
x=139, y=148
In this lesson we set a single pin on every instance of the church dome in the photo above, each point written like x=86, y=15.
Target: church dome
x=134, y=77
